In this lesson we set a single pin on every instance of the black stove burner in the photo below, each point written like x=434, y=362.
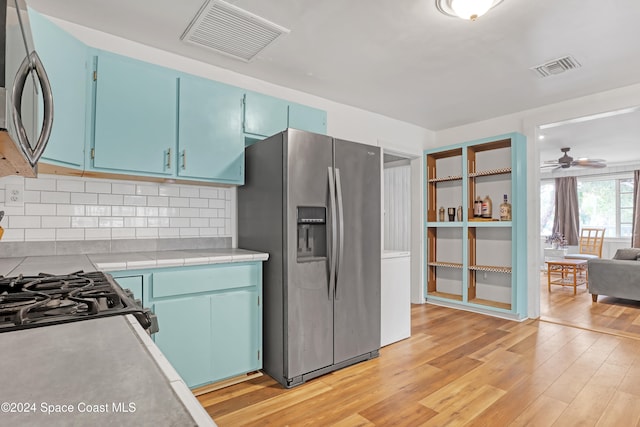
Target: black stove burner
x=29, y=301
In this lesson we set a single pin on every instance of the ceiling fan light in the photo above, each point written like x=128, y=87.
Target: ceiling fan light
x=471, y=9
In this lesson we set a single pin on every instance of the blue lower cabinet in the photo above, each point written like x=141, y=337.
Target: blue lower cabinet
x=185, y=337
x=210, y=317
x=236, y=346
x=133, y=283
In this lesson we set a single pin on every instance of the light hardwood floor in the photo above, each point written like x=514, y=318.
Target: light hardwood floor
x=459, y=368
x=610, y=315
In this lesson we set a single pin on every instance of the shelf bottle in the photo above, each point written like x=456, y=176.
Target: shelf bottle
x=505, y=210
x=487, y=207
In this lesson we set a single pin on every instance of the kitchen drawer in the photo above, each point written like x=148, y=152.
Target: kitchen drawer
x=133, y=283
x=206, y=279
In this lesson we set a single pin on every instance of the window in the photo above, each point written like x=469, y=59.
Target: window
x=604, y=201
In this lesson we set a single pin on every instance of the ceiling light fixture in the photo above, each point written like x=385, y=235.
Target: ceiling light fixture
x=466, y=9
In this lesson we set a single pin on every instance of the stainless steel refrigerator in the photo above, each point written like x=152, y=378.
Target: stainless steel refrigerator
x=313, y=203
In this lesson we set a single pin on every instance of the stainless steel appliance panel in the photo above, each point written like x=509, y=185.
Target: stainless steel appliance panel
x=309, y=298
x=261, y=227
x=357, y=299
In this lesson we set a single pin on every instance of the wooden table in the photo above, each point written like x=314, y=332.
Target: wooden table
x=567, y=272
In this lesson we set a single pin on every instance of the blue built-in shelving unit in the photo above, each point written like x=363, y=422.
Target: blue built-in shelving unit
x=477, y=264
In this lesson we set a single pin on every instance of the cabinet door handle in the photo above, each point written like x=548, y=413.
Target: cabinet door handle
x=184, y=159
x=169, y=158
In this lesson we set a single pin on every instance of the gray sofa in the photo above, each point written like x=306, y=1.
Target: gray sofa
x=618, y=277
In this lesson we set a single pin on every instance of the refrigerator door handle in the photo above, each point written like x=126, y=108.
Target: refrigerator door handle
x=334, y=232
x=341, y=228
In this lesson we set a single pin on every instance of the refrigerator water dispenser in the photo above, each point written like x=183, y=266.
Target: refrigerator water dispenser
x=312, y=233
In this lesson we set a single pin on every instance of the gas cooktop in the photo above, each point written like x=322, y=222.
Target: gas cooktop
x=46, y=299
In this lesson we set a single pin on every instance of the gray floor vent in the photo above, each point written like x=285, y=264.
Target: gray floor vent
x=232, y=31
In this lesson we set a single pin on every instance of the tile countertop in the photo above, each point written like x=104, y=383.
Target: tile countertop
x=64, y=264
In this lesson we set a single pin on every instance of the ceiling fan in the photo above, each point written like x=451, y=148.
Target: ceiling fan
x=566, y=161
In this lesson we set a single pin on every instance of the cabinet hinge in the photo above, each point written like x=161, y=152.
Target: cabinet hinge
x=93, y=153
x=95, y=76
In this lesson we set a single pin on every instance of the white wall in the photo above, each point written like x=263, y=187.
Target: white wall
x=527, y=122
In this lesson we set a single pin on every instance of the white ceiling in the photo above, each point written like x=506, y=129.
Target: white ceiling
x=614, y=138
x=404, y=59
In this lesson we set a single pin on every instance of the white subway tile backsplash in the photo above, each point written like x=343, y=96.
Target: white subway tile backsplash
x=123, y=233
x=157, y=201
x=135, y=222
x=216, y=203
x=98, y=187
x=179, y=222
x=97, y=234
x=70, y=210
x=119, y=188
x=30, y=196
x=168, y=232
x=169, y=190
x=146, y=233
x=199, y=222
x=123, y=211
x=178, y=202
x=158, y=222
x=84, y=222
x=189, y=212
x=75, y=208
x=198, y=203
x=42, y=184
x=110, y=199
x=173, y=212
x=146, y=211
x=25, y=221
x=84, y=199
x=98, y=210
x=39, y=234
x=189, y=192
x=189, y=232
x=208, y=193
x=56, y=222
x=72, y=186
x=13, y=235
x=208, y=213
x=54, y=197
x=39, y=209
x=70, y=234
x=111, y=222
x=216, y=222
x=208, y=232
x=13, y=210
x=135, y=200
x=146, y=190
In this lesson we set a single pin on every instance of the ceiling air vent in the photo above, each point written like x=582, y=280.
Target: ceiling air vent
x=232, y=31
x=556, y=66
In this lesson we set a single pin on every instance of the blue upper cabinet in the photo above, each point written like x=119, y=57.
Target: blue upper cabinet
x=211, y=144
x=307, y=118
x=65, y=60
x=264, y=115
x=135, y=115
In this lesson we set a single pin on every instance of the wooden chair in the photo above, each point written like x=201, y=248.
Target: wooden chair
x=590, y=244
